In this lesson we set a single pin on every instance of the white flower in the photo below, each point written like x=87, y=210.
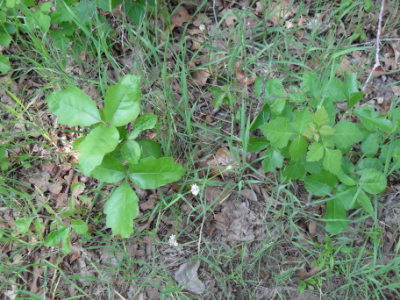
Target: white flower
x=195, y=189
x=172, y=241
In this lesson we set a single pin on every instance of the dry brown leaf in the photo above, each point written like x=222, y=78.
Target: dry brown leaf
x=222, y=222
x=378, y=71
x=312, y=228
x=62, y=200
x=147, y=205
x=222, y=162
x=212, y=193
x=202, y=19
x=55, y=188
x=229, y=18
x=281, y=9
x=345, y=66
x=179, y=17
x=249, y=194
x=304, y=274
x=187, y=277
x=395, y=90
x=76, y=253
x=241, y=76
x=201, y=76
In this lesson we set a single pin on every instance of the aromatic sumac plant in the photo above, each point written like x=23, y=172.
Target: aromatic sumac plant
x=110, y=153
x=345, y=157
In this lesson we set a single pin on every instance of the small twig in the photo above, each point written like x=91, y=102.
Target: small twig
x=215, y=12
x=373, y=42
x=201, y=234
x=378, y=41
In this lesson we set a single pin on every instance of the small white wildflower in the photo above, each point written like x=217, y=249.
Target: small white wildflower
x=195, y=189
x=202, y=27
x=172, y=241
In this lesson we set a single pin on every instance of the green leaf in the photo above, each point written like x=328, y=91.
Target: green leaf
x=22, y=225
x=321, y=116
x=365, y=202
x=373, y=181
x=5, y=66
x=131, y=152
x=5, y=37
x=278, y=132
x=274, y=89
x=347, y=196
x=320, y=184
x=370, y=145
x=315, y=152
x=301, y=120
x=332, y=161
x=79, y=226
x=122, y=101
x=278, y=105
x=369, y=163
x=73, y=107
x=149, y=148
x=326, y=130
x=258, y=87
x=262, y=118
x=298, y=148
x=272, y=160
x=336, y=90
x=351, y=84
x=335, y=216
x=294, y=170
x=256, y=144
x=347, y=134
x=371, y=119
x=144, y=122
x=37, y=19
x=100, y=141
x=346, y=179
x=355, y=98
x=121, y=208
x=311, y=85
x=62, y=235
x=151, y=173
x=110, y=170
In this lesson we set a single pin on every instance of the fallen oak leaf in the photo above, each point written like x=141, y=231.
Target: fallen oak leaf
x=223, y=162
x=179, y=17
x=241, y=76
x=186, y=276
x=200, y=76
x=304, y=274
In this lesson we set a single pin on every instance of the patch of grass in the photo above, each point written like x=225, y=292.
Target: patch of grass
x=352, y=265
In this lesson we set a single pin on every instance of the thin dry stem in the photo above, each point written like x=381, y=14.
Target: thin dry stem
x=378, y=41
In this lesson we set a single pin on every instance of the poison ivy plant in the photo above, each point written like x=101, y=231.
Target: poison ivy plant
x=110, y=153
x=346, y=156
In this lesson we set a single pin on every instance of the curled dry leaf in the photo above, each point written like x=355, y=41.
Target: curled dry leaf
x=229, y=18
x=147, y=205
x=304, y=274
x=179, y=17
x=312, y=228
x=223, y=162
x=281, y=9
x=186, y=276
x=378, y=71
x=249, y=194
x=241, y=76
x=201, y=76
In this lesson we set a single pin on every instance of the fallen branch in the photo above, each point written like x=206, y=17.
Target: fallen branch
x=378, y=41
